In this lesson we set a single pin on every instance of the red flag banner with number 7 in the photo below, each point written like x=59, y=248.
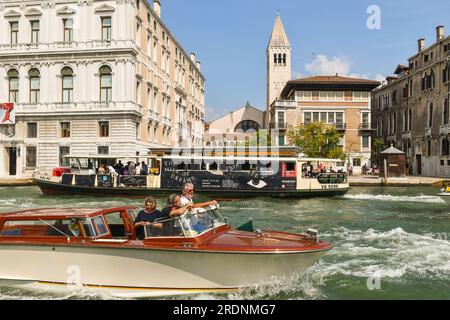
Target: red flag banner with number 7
x=7, y=113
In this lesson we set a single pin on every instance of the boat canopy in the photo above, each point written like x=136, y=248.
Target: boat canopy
x=270, y=151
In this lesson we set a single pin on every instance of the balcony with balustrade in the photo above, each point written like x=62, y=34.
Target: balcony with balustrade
x=154, y=116
x=406, y=135
x=444, y=129
x=364, y=127
x=278, y=125
x=77, y=108
x=61, y=46
x=340, y=126
x=284, y=104
x=166, y=121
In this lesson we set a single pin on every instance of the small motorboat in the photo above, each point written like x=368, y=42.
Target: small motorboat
x=98, y=249
x=445, y=194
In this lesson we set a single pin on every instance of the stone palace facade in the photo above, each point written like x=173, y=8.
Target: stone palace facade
x=93, y=77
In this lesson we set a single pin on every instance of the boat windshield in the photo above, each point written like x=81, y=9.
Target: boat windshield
x=190, y=224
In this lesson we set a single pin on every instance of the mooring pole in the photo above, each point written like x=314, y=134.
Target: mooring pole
x=385, y=172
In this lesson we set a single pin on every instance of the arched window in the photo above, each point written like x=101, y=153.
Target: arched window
x=430, y=115
x=105, y=83
x=35, y=85
x=247, y=125
x=67, y=84
x=13, y=80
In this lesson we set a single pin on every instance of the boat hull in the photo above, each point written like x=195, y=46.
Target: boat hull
x=54, y=188
x=445, y=197
x=145, y=270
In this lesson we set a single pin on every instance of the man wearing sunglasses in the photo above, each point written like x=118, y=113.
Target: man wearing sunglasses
x=187, y=195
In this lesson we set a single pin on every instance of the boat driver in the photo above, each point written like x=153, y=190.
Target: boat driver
x=187, y=195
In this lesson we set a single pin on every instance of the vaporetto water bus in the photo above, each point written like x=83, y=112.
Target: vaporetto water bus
x=218, y=173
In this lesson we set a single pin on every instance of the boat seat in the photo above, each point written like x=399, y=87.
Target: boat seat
x=15, y=232
x=63, y=228
x=118, y=230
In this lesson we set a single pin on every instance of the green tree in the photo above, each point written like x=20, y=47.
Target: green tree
x=377, y=148
x=259, y=138
x=317, y=140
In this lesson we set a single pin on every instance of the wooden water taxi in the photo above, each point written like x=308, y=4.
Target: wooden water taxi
x=97, y=249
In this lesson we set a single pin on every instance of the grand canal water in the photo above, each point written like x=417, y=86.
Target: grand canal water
x=397, y=240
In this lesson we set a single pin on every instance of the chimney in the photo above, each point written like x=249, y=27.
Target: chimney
x=193, y=57
x=157, y=7
x=440, y=34
x=421, y=44
x=199, y=65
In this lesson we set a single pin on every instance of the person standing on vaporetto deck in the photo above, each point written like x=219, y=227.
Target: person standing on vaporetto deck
x=187, y=195
x=137, y=169
x=144, y=168
x=113, y=173
x=130, y=168
x=119, y=167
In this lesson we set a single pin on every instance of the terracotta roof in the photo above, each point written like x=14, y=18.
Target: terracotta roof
x=400, y=68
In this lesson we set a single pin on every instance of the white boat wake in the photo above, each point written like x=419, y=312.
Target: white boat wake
x=393, y=254
x=387, y=197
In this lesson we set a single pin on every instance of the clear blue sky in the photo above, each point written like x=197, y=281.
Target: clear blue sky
x=230, y=39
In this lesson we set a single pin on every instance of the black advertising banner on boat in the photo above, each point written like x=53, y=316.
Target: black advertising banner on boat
x=233, y=176
x=85, y=180
x=104, y=181
x=133, y=181
x=67, y=179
